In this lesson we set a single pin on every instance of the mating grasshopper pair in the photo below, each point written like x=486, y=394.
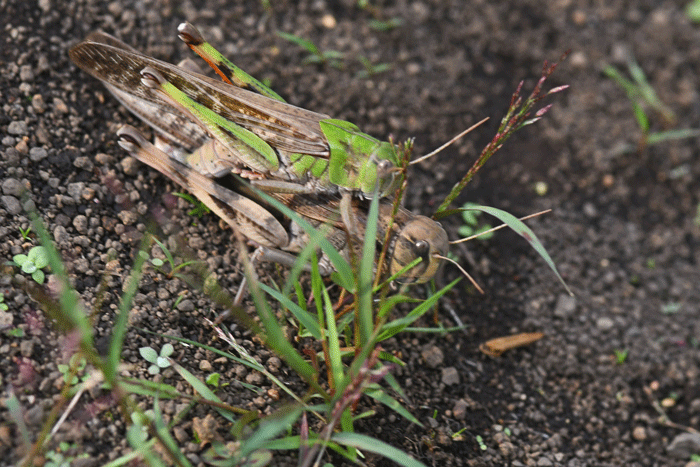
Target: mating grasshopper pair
x=322, y=168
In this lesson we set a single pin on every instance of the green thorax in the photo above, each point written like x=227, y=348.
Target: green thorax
x=356, y=161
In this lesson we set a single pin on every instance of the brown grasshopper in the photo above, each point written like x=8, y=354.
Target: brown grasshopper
x=322, y=168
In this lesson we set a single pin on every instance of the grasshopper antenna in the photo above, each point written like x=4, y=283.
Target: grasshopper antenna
x=431, y=154
x=466, y=239
x=462, y=240
x=466, y=274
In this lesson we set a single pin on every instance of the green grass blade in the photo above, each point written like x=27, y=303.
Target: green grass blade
x=203, y=390
x=270, y=428
x=249, y=362
x=301, y=42
x=524, y=231
x=149, y=388
x=316, y=239
x=122, y=319
x=15, y=409
x=366, y=274
x=305, y=318
x=134, y=435
x=662, y=136
x=275, y=338
x=627, y=85
x=381, y=396
x=333, y=338
x=71, y=308
x=164, y=436
x=366, y=443
x=394, y=327
x=641, y=116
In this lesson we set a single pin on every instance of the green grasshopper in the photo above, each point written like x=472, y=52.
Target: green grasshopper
x=240, y=125
x=306, y=160
x=411, y=236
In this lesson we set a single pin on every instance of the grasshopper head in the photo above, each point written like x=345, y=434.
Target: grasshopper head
x=423, y=238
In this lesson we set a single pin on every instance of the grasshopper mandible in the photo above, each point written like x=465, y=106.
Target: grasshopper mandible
x=304, y=159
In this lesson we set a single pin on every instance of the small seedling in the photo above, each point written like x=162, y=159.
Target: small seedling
x=3, y=305
x=471, y=227
x=642, y=95
x=158, y=263
x=75, y=366
x=330, y=57
x=200, y=209
x=482, y=445
x=25, y=232
x=620, y=355
x=213, y=379
x=371, y=69
x=158, y=361
x=57, y=459
x=33, y=263
x=15, y=332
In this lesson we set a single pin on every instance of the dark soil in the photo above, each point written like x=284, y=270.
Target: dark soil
x=624, y=229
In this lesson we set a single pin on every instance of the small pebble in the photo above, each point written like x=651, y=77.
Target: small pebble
x=83, y=162
x=60, y=106
x=205, y=365
x=12, y=187
x=37, y=154
x=459, y=410
x=605, y=324
x=130, y=166
x=450, y=376
x=12, y=205
x=639, y=433
x=60, y=234
x=26, y=348
x=128, y=217
x=17, y=128
x=80, y=223
x=38, y=104
x=26, y=73
x=433, y=356
x=186, y=306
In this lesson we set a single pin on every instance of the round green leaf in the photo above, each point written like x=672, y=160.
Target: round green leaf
x=39, y=256
x=148, y=354
x=28, y=267
x=167, y=350
x=38, y=276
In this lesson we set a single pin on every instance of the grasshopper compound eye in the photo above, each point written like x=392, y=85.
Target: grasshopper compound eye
x=421, y=238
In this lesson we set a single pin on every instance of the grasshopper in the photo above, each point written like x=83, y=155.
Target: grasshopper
x=239, y=125
x=311, y=163
x=412, y=236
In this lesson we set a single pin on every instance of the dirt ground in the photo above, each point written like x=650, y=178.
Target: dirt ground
x=624, y=229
